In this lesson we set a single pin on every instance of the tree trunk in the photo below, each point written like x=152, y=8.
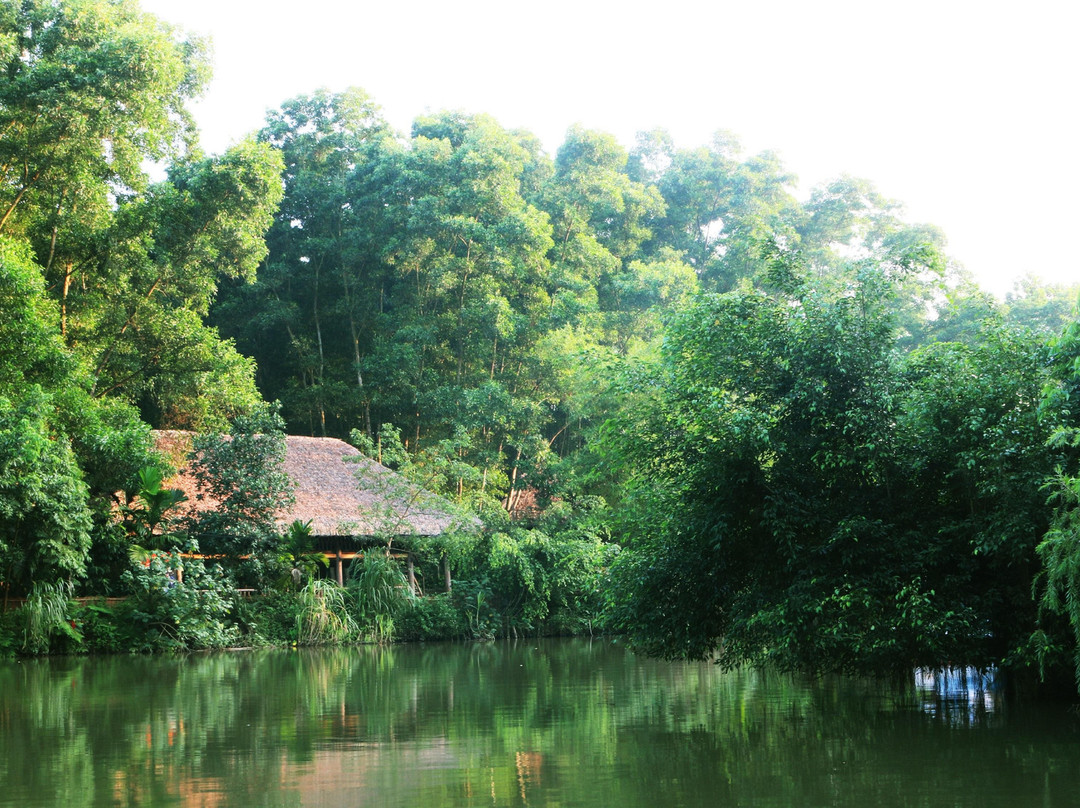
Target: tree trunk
x=510, y=498
x=322, y=360
x=354, y=333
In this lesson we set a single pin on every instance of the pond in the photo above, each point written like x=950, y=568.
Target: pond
x=541, y=723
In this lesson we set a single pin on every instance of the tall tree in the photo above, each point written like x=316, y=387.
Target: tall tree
x=106, y=276
x=1060, y=547
x=138, y=314
x=720, y=208
x=1045, y=308
x=822, y=503
x=91, y=89
x=44, y=502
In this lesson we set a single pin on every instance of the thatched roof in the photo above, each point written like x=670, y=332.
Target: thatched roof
x=341, y=492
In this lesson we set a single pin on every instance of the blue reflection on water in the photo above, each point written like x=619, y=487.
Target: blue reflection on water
x=963, y=696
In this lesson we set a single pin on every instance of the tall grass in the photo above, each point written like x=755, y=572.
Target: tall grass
x=324, y=616
x=46, y=613
x=381, y=592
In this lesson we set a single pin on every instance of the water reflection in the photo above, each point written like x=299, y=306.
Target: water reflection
x=963, y=696
x=530, y=723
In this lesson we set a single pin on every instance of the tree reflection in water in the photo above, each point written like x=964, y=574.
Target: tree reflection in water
x=962, y=696
x=569, y=722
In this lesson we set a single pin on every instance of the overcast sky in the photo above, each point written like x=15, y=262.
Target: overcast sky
x=964, y=111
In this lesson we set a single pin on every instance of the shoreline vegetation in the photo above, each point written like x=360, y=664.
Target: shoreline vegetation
x=374, y=607
x=664, y=396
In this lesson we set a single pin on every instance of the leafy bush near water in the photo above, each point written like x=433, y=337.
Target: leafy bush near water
x=273, y=618
x=323, y=617
x=9, y=644
x=437, y=617
x=105, y=630
x=177, y=612
x=381, y=592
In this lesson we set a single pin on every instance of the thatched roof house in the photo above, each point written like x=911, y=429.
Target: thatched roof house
x=350, y=500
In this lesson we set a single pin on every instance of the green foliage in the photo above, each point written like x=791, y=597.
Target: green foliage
x=434, y=617
x=473, y=600
x=104, y=282
x=298, y=556
x=103, y=629
x=112, y=445
x=31, y=351
x=1060, y=549
x=546, y=578
x=47, y=613
x=179, y=604
x=719, y=208
x=169, y=249
x=1044, y=308
x=811, y=498
x=386, y=447
x=414, y=285
x=242, y=472
x=323, y=616
x=45, y=382
x=381, y=592
x=521, y=335
x=92, y=92
x=78, y=75
x=11, y=634
x=274, y=616
x=972, y=446
x=145, y=521
x=45, y=520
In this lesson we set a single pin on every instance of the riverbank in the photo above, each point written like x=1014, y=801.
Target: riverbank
x=182, y=618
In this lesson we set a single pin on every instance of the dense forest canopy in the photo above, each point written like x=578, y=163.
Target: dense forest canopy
x=816, y=441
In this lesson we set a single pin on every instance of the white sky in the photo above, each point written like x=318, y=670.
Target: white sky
x=964, y=111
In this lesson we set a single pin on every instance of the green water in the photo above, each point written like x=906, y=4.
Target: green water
x=541, y=723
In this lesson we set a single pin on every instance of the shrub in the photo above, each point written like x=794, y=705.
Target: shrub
x=103, y=630
x=473, y=601
x=274, y=617
x=243, y=473
x=10, y=631
x=432, y=618
x=171, y=613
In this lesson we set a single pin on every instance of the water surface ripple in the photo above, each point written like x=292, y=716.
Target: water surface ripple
x=573, y=723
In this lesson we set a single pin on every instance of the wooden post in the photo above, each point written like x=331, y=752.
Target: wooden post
x=412, y=575
x=446, y=572
x=340, y=569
